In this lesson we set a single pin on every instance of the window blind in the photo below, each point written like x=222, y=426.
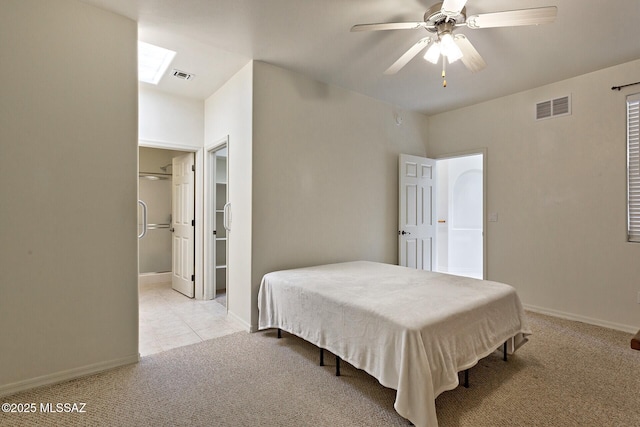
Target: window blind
x=633, y=167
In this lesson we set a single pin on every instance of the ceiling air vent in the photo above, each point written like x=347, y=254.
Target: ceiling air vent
x=553, y=108
x=183, y=75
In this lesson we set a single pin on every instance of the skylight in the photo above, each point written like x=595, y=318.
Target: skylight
x=153, y=62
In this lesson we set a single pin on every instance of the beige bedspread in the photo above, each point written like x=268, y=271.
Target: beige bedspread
x=413, y=330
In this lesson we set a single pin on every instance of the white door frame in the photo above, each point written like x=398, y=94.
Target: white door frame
x=472, y=152
x=209, y=213
x=199, y=161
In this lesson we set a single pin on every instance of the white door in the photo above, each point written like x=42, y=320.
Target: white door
x=183, y=225
x=220, y=197
x=417, y=228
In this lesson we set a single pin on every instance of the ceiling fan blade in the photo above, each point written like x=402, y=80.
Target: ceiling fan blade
x=408, y=55
x=453, y=7
x=470, y=56
x=389, y=26
x=512, y=18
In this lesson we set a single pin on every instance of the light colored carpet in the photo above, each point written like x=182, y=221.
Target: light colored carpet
x=569, y=374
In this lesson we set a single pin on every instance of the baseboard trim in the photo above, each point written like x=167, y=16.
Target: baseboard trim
x=235, y=317
x=71, y=374
x=153, y=278
x=583, y=319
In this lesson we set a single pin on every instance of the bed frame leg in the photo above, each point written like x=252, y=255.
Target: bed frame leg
x=279, y=333
x=321, y=357
x=337, y=366
x=466, y=378
x=504, y=351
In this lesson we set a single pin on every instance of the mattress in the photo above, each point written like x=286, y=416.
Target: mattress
x=413, y=330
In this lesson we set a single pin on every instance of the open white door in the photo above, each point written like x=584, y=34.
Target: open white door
x=417, y=224
x=183, y=225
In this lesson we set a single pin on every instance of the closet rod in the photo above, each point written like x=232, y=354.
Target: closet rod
x=620, y=87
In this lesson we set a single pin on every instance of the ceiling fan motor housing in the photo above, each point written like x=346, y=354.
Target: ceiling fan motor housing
x=434, y=17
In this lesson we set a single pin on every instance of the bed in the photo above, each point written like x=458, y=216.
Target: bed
x=412, y=330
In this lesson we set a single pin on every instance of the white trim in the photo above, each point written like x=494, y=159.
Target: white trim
x=244, y=324
x=167, y=145
x=199, y=216
x=633, y=97
x=217, y=144
x=583, y=319
x=153, y=278
x=63, y=376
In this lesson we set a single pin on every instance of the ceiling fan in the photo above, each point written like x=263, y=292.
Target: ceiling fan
x=443, y=18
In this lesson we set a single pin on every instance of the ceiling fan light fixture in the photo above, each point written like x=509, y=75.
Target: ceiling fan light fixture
x=453, y=58
x=433, y=53
x=449, y=48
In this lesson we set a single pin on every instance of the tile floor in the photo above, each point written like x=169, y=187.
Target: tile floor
x=169, y=319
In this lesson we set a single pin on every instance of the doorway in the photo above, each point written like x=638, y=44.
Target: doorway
x=460, y=212
x=168, y=319
x=155, y=181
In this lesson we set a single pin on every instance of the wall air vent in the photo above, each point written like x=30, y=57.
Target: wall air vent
x=543, y=110
x=553, y=108
x=183, y=75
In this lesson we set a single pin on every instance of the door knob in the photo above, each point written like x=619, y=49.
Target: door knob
x=403, y=232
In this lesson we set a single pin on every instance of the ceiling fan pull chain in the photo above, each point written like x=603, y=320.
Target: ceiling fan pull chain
x=444, y=73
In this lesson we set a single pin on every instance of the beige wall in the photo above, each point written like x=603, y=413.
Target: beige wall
x=559, y=189
x=325, y=173
x=167, y=119
x=228, y=113
x=151, y=159
x=68, y=253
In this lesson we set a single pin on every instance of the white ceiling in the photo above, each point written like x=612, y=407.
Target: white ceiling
x=215, y=38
